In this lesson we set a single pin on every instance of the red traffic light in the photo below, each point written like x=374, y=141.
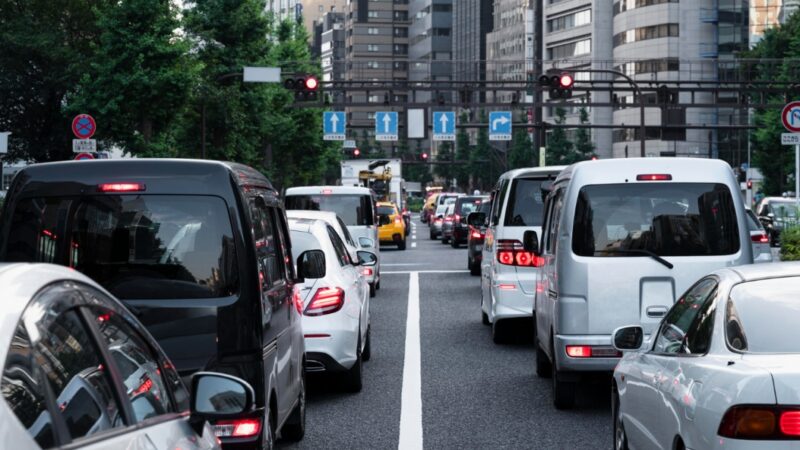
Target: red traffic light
x=566, y=81
x=425, y=156
x=356, y=152
x=749, y=184
x=311, y=83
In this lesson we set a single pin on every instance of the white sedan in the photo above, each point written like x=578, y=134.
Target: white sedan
x=722, y=371
x=334, y=301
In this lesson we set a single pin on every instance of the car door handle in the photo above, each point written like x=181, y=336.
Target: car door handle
x=656, y=312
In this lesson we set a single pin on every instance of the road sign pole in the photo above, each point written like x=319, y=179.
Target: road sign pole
x=797, y=174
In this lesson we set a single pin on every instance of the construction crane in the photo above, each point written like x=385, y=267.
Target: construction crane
x=378, y=182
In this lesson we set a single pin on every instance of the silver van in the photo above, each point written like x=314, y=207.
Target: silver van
x=508, y=274
x=621, y=239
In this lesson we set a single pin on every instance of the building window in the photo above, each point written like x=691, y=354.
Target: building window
x=573, y=20
x=373, y=64
x=373, y=31
x=645, y=33
x=577, y=48
x=627, y=5
x=372, y=48
x=372, y=14
x=650, y=66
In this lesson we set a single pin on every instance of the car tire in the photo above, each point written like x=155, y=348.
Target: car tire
x=372, y=290
x=353, y=380
x=501, y=332
x=378, y=285
x=401, y=245
x=474, y=269
x=454, y=242
x=563, y=391
x=367, y=353
x=620, y=437
x=295, y=427
x=432, y=235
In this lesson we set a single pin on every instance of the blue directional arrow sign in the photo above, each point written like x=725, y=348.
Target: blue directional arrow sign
x=333, y=125
x=386, y=126
x=444, y=126
x=500, y=126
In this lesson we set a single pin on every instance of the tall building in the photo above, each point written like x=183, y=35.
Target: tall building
x=765, y=14
x=285, y=9
x=430, y=44
x=472, y=21
x=331, y=45
x=313, y=10
x=376, y=43
x=506, y=46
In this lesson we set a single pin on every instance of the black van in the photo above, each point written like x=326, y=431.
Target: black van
x=198, y=250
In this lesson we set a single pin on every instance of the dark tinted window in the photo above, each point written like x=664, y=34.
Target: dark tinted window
x=136, y=246
x=353, y=209
x=346, y=232
x=466, y=205
x=681, y=316
x=23, y=391
x=266, y=242
x=525, y=204
x=752, y=222
x=136, y=362
x=338, y=246
x=761, y=316
x=77, y=377
x=385, y=211
x=486, y=207
x=669, y=219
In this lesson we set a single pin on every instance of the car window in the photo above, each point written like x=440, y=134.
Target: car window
x=137, y=364
x=669, y=219
x=752, y=222
x=525, y=203
x=385, y=211
x=266, y=243
x=346, y=232
x=679, y=319
x=77, y=377
x=23, y=391
x=302, y=242
x=761, y=316
x=554, y=222
x=285, y=266
x=354, y=209
x=338, y=246
x=497, y=205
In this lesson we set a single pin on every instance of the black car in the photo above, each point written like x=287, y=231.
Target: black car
x=200, y=253
x=776, y=214
x=460, y=228
x=475, y=237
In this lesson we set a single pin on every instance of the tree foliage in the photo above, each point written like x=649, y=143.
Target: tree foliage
x=559, y=148
x=584, y=147
x=445, y=154
x=463, y=152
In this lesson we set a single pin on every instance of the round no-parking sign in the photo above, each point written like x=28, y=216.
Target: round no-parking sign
x=83, y=126
x=791, y=117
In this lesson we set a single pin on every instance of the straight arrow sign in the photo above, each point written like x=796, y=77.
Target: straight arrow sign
x=386, y=122
x=334, y=123
x=444, y=123
x=330, y=125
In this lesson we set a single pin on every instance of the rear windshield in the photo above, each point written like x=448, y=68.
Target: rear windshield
x=525, y=203
x=761, y=316
x=353, y=209
x=466, y=205
x=669, y=219
x=385, y=211
x=136, y=246
x=752, y=222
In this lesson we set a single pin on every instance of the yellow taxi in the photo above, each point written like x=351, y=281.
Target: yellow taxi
x=427, y=210
x=391, y=226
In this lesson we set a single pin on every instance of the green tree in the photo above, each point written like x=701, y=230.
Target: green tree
x=462, y=171
x=521, y=148
x=483, y=161
x=559, y=148
x=138, y=82
x=44, y=48
x=445, y=155
x=413, y=170
x=584, y=147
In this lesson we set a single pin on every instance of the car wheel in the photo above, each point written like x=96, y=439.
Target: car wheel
x=563, y=391
x=367, y=354
x=372, y=290
x=432, y=235
x=501, y=332
x=295, y=427
x=353, y=377
x=454, y=242
x=620, y=437
x=475, y=269
x=401, y=245
x=378, y=285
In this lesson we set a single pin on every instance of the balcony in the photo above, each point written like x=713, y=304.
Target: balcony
x=709, y=50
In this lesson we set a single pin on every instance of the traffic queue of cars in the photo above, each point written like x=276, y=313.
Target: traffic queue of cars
x=219, y=290
x=644, y=268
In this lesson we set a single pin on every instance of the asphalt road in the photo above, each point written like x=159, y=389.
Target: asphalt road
x=461, y=390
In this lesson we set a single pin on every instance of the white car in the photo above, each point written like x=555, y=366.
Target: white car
x=762, y=252
x=721, y=372
x=334, y=302
x=108, y=384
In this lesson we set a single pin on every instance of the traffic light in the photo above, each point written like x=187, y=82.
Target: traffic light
x=750, y=185
x=356, y=153
x=424, y=156
x=560, y=84
x=305, y=87
x=529, y=85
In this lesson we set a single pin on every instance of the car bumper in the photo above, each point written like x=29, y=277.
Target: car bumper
x=330, y=344
x=510, y=303
x=594, y=364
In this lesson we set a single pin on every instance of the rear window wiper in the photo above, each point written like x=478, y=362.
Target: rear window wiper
x=639, y=252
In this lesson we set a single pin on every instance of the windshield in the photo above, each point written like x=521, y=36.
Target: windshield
x=136, y=246
x=525, y=204
x=668, y=219
x=385, y=211
x=761, y=316
x=466, y=205
x=784, y=208
x=355, y=210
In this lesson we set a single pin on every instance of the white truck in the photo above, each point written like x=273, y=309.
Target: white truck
x=352, y=168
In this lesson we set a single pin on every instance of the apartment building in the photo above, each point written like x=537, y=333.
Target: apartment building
x=430, y=44
x=331, y=45
x=472, y=21
x=314, y=10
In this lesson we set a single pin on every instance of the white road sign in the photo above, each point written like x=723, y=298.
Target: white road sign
x=4, y=141
x=84, y=145
x=790, y=138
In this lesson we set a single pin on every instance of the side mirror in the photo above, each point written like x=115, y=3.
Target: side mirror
x=366, y=242
x=530, y=241
x=218, y=396
x=311, y=264
x=628, y=338
x=476, y=219
x=367, y=258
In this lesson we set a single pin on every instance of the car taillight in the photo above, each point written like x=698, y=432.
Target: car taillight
x=591, y=351
x=476, y=234
x=761, y=238
x=457, y=218
x=654, y=177
x=398, y=220
x=326, y=301
x=297, y=299
x=760, y=422
x=367, y=271
x=579, y=351
x=511, y=253
x=121, y=187
x=237, y=428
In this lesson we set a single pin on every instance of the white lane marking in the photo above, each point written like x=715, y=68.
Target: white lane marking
x=411, y=400
x=395, y=272
x=405, y=264
x=413, y=245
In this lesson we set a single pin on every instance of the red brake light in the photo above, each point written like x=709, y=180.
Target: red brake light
x=367, y=271
x=146, y=385
x=506, y=258
x=398, y=220
x=297, y=299
x=790, y=423
x=238, y=428
x=748, y=422
x=579, y=351
x=121, y=187
x=476, y=234
x=325, y=301
x=507, y=287
x=327, y=191
x=511, y=253
x=654, y=177
x=761, y=238
x=457, y=218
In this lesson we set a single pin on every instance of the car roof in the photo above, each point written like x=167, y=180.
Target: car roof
x=307, y=225
x=328, y=216
x=385, y=204
x=21, y=282
x=623, y=170
x=754, y=272
x=526, y=171
x=158, y=175
x=309, y=190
